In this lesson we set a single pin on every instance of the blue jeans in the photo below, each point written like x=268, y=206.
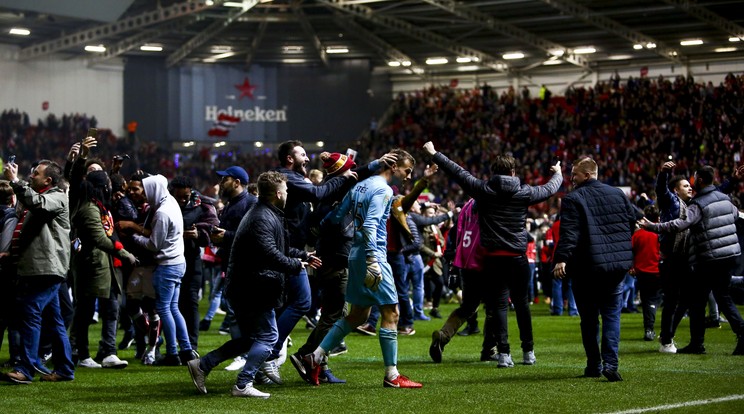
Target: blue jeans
x=556, y=306
x=629, y=292
x=297, y=288
x=401, y=276
x=215, y=296
x=166, y=279
x=416, y=275
x=258, y=335
x=600, y=295
x=34, y=302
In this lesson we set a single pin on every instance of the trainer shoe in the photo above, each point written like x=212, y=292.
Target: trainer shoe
x=401, y=382
x=204, y=325
x=340, y=349
x=169, y=360
x=113, y=361
x=17, y=377
x=312, y=369
x=126, y=341
x=436, y=347
x=669, y=348
x=271, y=370
x=42, y=369
x=188, y=355
x=407, y=331
x=299, y=363
x=149, y=358
x=649, y=336
x=248, y=391
x=612, y=375
x=739, y=350
x=326, y=377
x=505, y=361
x=528, y=358
x=692, y=349
x=88, y=363
x=198, y=376
x=366, y=329
x=54, y=377
x=237, y=364
x=223, y=331
x=262, y=379
x=469, y=330
x=713, y=323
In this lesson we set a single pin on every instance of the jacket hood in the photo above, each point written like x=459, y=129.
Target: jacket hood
x=504, y=184
x=156, y=190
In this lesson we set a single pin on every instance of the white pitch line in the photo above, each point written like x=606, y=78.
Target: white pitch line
x=681, y=405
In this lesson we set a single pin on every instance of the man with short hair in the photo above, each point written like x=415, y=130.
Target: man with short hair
x=715, y=247
x=239, y=201
x=503, y=202
x=41, y=250
x=595, y=250
x=255, y=286
x=300, y=194
x=198, y=219
x=370, y=276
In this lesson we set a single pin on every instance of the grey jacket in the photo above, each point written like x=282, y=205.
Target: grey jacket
x=44, y=248
x=711, y=219
x=166, y=239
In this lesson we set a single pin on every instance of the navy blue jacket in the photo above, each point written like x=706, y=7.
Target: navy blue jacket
x=597, y=223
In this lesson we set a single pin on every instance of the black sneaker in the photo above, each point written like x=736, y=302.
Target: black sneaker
x=436, y=347
x=469, y=330
x=434, y=313
x=340, y=349
x=612, y=376
x=649, y=336
x=126, y=341
x=712, y=323
x=739, y=350
x=692, y=349
x=186, y=356
x=204, y=325
x=168, y=361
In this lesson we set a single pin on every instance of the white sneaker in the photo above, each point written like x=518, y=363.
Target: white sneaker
x=249, y=391
x=88, y=363
x=113, y=361
x=148, y=358
x=271, y=370
x=669, y=348
x=505, y=361
x=528, y=358
x=237, y=364
x=220, y=312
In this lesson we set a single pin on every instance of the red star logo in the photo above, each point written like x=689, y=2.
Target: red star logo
x=246, y=89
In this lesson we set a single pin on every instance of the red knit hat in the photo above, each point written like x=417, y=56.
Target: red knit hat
x=335, y=163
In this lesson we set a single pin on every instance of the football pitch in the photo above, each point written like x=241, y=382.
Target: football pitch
x=653, y=382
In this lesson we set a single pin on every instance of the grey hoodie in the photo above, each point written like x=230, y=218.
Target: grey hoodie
x=166, y=239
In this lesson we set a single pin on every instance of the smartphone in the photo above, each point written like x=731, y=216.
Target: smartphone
x=556, y=160
x=11, y=159
x=92, y=132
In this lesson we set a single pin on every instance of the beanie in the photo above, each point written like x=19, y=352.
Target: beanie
x=335, y=163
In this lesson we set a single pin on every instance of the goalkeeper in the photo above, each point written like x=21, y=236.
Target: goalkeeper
x=370, y=276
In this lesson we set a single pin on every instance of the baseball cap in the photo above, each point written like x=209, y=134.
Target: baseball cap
x=235, y=172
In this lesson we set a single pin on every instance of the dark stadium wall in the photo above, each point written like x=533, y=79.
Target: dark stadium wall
x=273, y=103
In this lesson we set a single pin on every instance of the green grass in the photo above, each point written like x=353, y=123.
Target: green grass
x=460, y=384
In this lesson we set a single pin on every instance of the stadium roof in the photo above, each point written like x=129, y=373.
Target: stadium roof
x=509, y=36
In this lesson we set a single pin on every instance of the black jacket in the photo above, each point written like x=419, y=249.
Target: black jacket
x=300, y=193
x=503, y=204
x=597, y=223
x=230, y=218
x=260, y=259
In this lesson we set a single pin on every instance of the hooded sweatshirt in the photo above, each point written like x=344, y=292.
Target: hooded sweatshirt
x=166, y=239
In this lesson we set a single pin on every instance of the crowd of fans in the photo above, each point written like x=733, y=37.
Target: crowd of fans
x=629, y=128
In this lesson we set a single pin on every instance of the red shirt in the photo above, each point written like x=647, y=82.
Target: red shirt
x=645, y=251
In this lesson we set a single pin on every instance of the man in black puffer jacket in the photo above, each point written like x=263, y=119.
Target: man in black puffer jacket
x=255, y=285
x=711, y=218
x=595, y=250
x=503, y=203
